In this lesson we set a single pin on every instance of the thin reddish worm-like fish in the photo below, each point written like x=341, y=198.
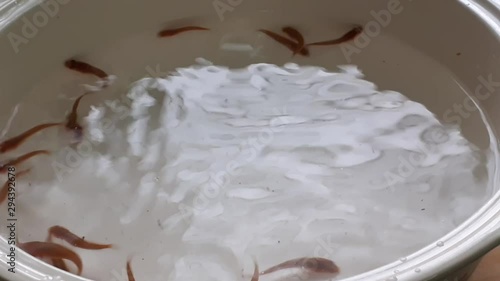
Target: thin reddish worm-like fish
x=130, y=274
x=20, y=159
x=4, y=192
x=314, y=265
x=66, y=235
x=255, y=276
x=285, y=42
x=85, y=68
x=72, y=119
x=59, y=263
x=297, y=36
x=175, y=31
x=50, y=250
x=16, y=141
x=346, y=37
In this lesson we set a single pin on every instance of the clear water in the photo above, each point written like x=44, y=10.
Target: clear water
x=194, y=175
x=328, y=164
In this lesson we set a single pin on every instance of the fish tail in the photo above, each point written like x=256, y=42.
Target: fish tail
x=256, y=273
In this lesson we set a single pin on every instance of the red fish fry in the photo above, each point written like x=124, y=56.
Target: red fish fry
x=16, y=141
x=50, y=250
x=20, y=159
x=285, y=42
x=59, y=263
x=175, y=31
x=72, y=119
x=85, y=68
x=130, y=274
x=255, y=276
x=297, y=36
x=66, y=235
x=314, y=265
x=4, y=192
x=346, y=37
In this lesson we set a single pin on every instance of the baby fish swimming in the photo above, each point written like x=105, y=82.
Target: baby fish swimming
x=175, y=31
x=255, y=276
x=297, y=36
x=66, y=235
x=50, y=250
x=353, y=33
x=16, y=141
x=72, y=119
x=285, y=42
x=20, y=159
x=85, y=68
x=315, y=266
x=59, y=263
x=130, y=274
x=4, y=192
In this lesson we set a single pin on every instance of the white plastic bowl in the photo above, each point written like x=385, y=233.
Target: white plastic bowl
x=462, y=36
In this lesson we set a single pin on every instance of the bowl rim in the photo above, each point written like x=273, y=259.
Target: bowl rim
x=475, y=237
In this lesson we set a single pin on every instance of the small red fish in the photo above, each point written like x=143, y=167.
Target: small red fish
x=4, y=192
x=255, y=276
x=346, y=37
x=285, y=42
x=59, y=263
x=130, y=274
x=20, y=159
x=50, y=250
x=85, y=68
x=175, y=31
x=318, y=266
x=16, y=141
x=297, y=36
x=66, y=235
x=72, y=119
x=56, y=262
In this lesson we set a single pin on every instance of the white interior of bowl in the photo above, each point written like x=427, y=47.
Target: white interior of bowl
x=120, y=37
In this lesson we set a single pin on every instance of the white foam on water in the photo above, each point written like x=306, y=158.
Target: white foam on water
x=211, y=166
